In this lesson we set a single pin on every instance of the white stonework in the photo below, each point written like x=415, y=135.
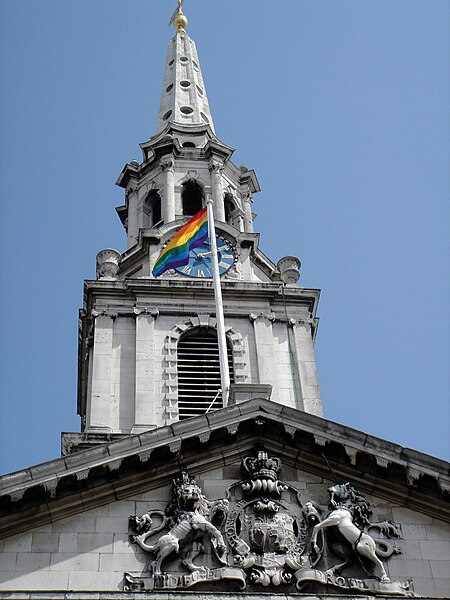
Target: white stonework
x=128, y=369
x=184, y=100
x=91, y=551
x=133, y=385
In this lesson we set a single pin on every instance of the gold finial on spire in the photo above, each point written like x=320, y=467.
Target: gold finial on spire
x=178, y=19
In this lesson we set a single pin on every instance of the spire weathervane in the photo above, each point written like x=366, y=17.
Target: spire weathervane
x=178, y=19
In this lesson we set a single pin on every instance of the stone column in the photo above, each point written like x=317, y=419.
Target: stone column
x=133, y=226
x=247, y=206
x=216, y=170
x=99, y=402
x=145, y=398
x=168, y=168
x=262, y=326
x=306, y=361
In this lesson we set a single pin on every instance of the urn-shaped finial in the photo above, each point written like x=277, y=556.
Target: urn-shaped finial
x=108, y=264
x=289, y=267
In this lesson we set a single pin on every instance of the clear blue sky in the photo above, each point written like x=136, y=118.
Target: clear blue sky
x=341, y=107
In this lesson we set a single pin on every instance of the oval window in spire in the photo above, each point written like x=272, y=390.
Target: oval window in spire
x=185, y=84
x=167, y=115
x=186, y=110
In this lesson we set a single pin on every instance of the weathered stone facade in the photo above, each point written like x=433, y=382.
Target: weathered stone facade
x=129, y=377
x=91, y=551
x=67, y=524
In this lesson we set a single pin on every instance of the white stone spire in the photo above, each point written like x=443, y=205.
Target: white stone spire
x=184, y=99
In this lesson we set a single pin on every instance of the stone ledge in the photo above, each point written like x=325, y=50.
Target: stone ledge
x=94, y=476
x=240, y=392
x=184, y=596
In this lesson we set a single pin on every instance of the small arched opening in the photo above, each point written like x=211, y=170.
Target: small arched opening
x=153, y=208
x=191, y=198
x=230, y=207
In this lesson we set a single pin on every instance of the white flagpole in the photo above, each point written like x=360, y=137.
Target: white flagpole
x=224, y=371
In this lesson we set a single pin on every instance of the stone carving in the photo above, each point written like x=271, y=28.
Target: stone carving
x=264, y=534
x=262, y=472
x=167, y=165
x=266, y=537
x=188, y=518
x=216, y=167
x=108, y=261
x=130, y=191
x=350, y=514
x=289, y=267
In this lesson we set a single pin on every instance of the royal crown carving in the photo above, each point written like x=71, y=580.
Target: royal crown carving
x=264, y=532
x=262, y=472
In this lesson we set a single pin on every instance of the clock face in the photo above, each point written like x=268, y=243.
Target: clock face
x=200, y=262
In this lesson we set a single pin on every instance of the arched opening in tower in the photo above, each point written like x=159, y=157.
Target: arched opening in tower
x=198, y=369
x=153, y=208
x=191, y=198
x=229, y=208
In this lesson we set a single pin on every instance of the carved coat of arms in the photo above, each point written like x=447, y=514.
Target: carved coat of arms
x=263, y=534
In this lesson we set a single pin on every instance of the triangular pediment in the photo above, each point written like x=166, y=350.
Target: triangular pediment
x=264, y=472
x=92, y=478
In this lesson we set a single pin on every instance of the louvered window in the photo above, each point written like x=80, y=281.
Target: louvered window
x=199, y=372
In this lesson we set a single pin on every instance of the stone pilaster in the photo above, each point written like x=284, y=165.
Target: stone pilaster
x=248, y=219
x=216, y=170
x=123, y=364
x=168, y=168
x=133, y=226
x=145, y=398
x=306, y=361
x=99, y=403
x=267, y=372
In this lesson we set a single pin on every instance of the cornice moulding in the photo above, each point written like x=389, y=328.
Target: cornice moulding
x=98, y=475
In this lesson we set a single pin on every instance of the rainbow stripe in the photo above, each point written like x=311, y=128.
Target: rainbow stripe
x=176, y=253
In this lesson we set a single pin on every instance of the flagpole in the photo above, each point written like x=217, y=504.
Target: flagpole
x=224, y=371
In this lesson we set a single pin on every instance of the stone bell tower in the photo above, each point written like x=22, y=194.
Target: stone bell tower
x=148, y=347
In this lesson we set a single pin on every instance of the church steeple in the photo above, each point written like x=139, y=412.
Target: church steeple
x=184, y=100
x=184, y=163
x=147, y=346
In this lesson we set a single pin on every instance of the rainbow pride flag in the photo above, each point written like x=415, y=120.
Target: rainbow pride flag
x=176, y=253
